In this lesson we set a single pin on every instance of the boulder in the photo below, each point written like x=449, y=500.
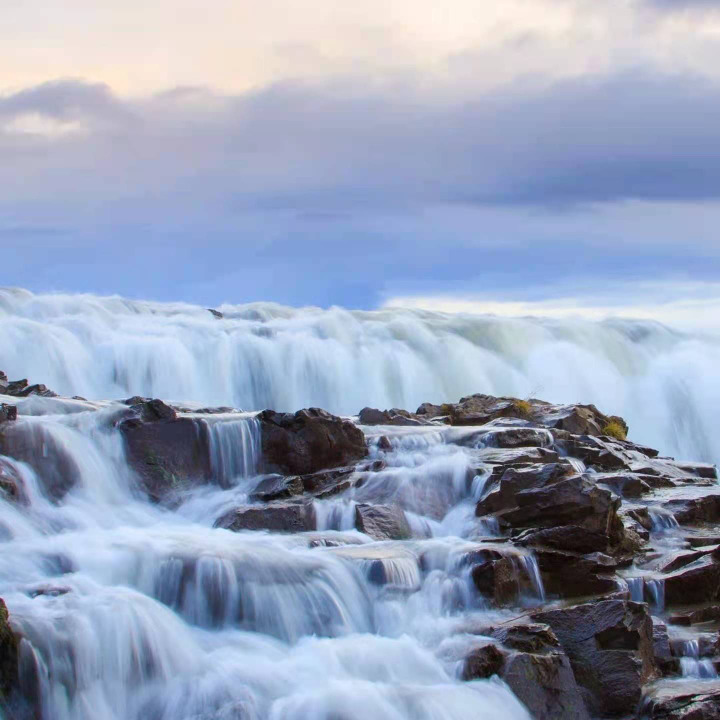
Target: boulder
x=7, y=412
x=572, y=538
x=291, y=516
x=277, y=487
x=695, y=509
x=695, y=583
x=610, y=646
x=498, y=580
x=382, y=522
x=11, y=484
x=8, y=653
x=394, y=416
x=168, y=453
x=685, y=701
x=568, y=575
x=535, y=668
x=309, y=441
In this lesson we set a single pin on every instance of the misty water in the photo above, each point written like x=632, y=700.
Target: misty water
x=130, y=610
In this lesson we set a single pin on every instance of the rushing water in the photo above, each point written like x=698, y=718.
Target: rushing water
x=132, y=611
x=666, y=383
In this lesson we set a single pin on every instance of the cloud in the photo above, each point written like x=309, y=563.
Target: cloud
x=349, y=190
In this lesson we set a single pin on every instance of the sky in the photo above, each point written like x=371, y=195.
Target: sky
x=562, y=155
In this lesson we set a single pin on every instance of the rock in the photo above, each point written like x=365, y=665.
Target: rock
x=382, y=522
x=573, y=500
x=686, y=701
x=309, y=441
x=38, y=389
x=567, y=575
x=500, y=492
x=498, y=580
x=4, y=382
x=216, y=313
x=11, y=484
x=694, y=509
x=8, y=653
x=291, y=516
x=394, y=416
x=597, y=453
x=610, y=646
x=15, y=387
x=7, y=412
x=535, y=668
x=627, y=485
x=277, y=487
x=572, y=538
x=694, y=617
x=696, y=583
x=483, y=662
x=168, y=453
x=328, y=482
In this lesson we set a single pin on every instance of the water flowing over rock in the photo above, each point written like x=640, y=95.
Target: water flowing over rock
x=495, y=557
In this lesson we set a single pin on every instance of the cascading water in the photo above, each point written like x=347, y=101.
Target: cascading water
x=132, y=611
x=664, y=382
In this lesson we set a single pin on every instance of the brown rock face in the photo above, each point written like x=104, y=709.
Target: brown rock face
x=687, y=701
x=309, y=441
x=8, y=654
x=382, y=522
x=610, y=646
x=293, y=516
x=7, y=412
x=168, y=453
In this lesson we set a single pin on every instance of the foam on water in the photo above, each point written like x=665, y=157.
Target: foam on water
x=664, y=382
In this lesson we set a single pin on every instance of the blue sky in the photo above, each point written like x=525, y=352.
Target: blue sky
x=530, y=151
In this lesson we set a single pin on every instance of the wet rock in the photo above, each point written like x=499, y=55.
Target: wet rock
x=4, y=382
x=661, y=642
x=309, y=441
x=15, y=387
x=394, y=416
x=597, y=453
x=328, y=482
x=7, y=412
x=298, y=516
x=483, y=662
x=694, y=509
x=573, y=500
x=627, y=485
x=498, y=580
x=8, y=653
x=478, y=410
x=515, y=437
x=696, y=616
x=382, y=522
x=572, y=538
x=569, y=575
x=11, y=484
x=38, y=389
x=696, y=583
x=686, y=701
x=168, y=453
x=277, y=487
x=534, y=666
x=681, y=558
x=610, y=646
x=500, y=492
x=216, y=313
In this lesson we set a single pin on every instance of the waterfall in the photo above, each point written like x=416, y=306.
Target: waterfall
x=664, y=382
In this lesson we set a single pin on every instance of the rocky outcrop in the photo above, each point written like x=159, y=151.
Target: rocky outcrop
x=21, y=388
x=610, y=647
x=298, y=516
x=308, y=441
x=382, y=522
x=7, y=412
x=8, y=654
x=690, y=701
x=168, y=453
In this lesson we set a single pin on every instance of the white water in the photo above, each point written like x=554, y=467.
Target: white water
x=134, y=612
x=665, y=383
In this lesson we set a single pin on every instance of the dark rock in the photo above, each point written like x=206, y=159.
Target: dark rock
x=11, y=484
x=686, y=701
x=572, y=538
x=569, y=575
x=309, y=441
x=695, y=509
x=627, y=485
x=216, y=313
x=483, y=662
x=498, y=580
x=296, y=516
x=168, y=453
x=696, y=583
x=38, y=389
x=394, y=416
x=277, y=487
x=8, y=653
x=610, y=646
x=4, y=382
x=384, y=443
x=694, y=617
x=328, y=482
x=16, y=387
x=382, y=522
x=680, y=558
x=7, y=412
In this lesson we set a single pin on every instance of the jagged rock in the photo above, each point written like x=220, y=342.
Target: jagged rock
x=8, y=653
x=394, y=416
x=11, y=484
x=535, y=668
x=293, y=516
x=696, y=583
x=328, y=482
x=7, y=412
x=686, y=701
x=4, y=382
x=627, y=485
x=167, y=452
x=216, y=313
x=601, y=454
x=572, y=538
x=573, y=500
x=498, y=579
x=382, y=522
x=680, y=558
x=661, y=642
x=569, y=575
x=500, y=492
x=689, y=510
x=610, y=646
x=308, y=441
x=277, y=487
x=697, y=616
x=38, y=389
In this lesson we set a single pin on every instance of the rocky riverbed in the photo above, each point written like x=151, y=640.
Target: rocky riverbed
x=159, y=560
